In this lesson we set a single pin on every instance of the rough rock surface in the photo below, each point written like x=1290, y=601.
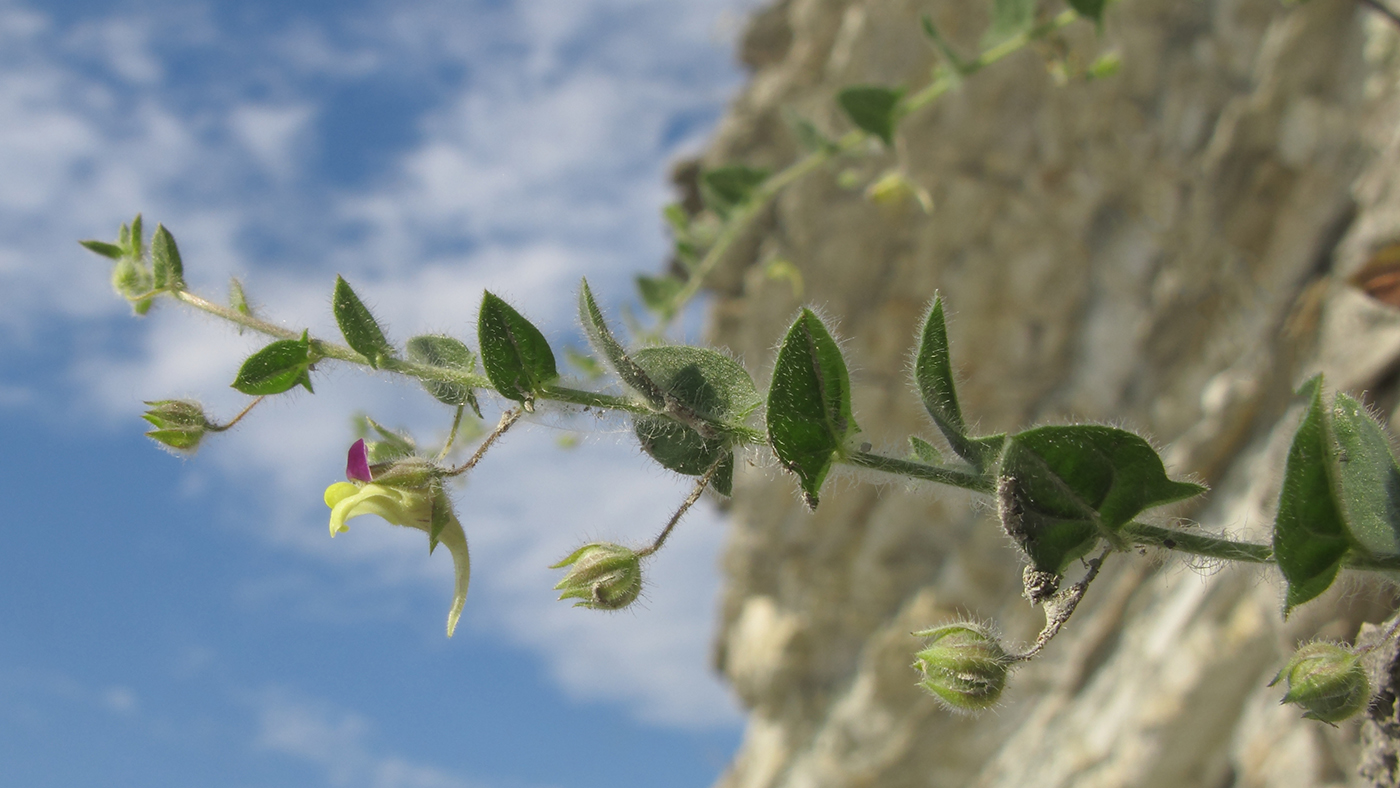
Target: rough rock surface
x=1168, y=249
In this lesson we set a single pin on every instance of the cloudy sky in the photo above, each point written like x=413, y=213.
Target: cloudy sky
x=169, y=622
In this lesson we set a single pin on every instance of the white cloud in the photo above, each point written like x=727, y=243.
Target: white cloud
x=339, y=742
x=545, y=163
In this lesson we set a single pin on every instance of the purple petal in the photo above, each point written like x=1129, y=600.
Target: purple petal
x=357, y=463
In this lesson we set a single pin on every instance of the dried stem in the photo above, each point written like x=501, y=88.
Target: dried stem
x=1060, y=607
x=221, y=427
x=507, y=419
x=685, y=507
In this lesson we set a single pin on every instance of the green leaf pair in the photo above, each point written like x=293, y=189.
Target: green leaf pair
x=701, y=399
x=1340, y=502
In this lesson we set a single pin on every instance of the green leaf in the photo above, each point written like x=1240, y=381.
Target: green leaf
x=873, y=109
x=1075, y=484
x=808, y=135
x=809, y=404
x=442, y=515
x=726, y=188
x=677, y=217
x=1367, y=478
x=659, y=294
x=165, y=260
x=1009, y=18
x=588, y=366
x=445, y=353
x=103, y=248
x=136, y=240
x=933, y=374
x=607, y=345
x=925, y=451
x=516, y=357
x=361, y=331
x=1090, y=9
x=1310, y=535
x=723, y=480
x=676, y=446
x=705, y=382
x=237, y=298
x=177, y=439
x=391, y=445
x=277, y=367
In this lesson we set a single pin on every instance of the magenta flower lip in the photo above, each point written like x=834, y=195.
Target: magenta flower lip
x=357, y=463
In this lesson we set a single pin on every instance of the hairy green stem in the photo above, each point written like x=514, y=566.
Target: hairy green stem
x=1197, y=544
x=918, y=470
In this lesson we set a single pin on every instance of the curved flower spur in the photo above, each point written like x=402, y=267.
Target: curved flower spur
x=406, y=493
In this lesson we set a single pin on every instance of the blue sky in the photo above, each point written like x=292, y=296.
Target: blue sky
x=169, y=622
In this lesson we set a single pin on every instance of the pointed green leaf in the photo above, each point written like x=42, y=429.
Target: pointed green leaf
x=1075, y=484
x=103, y=248
x=1310, y=536
x=237, y=298
x=676, y=446
x=705, y=382
x=873, y=109
x=726, y=188
x=276, y=368
x=392, y=444
x=808, y=135
x=445, y=353
x=677, y=217
x=933, y=374
x=165, y=260
x=1089, y=9
x=659, y=294
x=925, y=451
x=1367, y=477
x=516, y=357
x=442, y=515
x=609, y=348
x=1009, y=18
x=809, y=404
x=588, y=366
x=361, y=331
x=136, y=242
x=177, y=439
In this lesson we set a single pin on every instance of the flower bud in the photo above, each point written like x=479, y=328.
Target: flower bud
x=179, y=424
x=963, y=666
x=602, y=576
x=894, y=189
x=1327, y=680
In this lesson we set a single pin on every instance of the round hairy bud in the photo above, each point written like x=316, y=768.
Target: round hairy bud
x=179, y=424
x=602, y=575
x=963, y=665
x=1327, y=680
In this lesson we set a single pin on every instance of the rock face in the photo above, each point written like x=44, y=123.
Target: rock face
x=1168, y=249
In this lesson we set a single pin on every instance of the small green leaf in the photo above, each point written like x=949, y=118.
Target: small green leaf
x=726, y=188
x=445, y=353
x=177, y=439
x=1090, y=9
x=809, y=404
x=136, y=240
x=873, y=109
x=659, y=294
x=361, y=331
x=516, y=357
x=103, y=248
x=1071, y=485
x=808, y=135
x=165, y=260
x=933, y=374
x=588, y=366
x=705, y=382
x=1367, y=478
x=1009, y=18
x=237, y=298
x=723, y=480
x=677, y=217
x=1310, y=536
x=676, y=446
x=609, y=348
x=925, y=451
x=277, y=367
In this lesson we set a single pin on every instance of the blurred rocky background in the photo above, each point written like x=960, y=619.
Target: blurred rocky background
x=1171, y=249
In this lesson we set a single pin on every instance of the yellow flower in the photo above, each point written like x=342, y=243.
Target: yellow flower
x=412, y=508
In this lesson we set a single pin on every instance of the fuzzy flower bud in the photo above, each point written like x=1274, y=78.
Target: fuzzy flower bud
x=180, y=424
x=963, y=666
x=1327, y=680
x=603, y=576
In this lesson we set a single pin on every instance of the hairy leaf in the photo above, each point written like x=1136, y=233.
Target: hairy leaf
x=925, y=451
x=809, y=404
x=516, y=357
x=607, y=345
x=443, y=352
x=361, y=331
x=277, y=367
x=706, y=382
x=1310, y=536
x=103, y=248
x=1367, y=478
x=165, y=260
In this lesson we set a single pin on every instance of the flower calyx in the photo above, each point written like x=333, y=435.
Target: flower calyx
x=602, y=576
x=179, y=424
x=963, y=665
x=1327, y=680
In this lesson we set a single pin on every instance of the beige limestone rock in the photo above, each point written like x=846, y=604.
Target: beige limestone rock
x=1164, y=250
